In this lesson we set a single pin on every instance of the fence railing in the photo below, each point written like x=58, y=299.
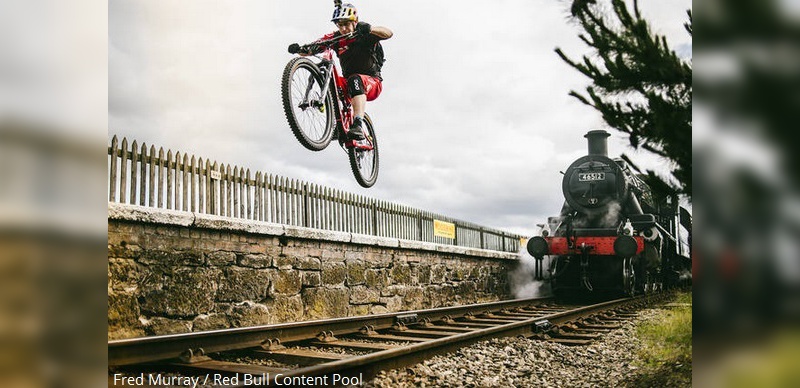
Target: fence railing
x=148, y=177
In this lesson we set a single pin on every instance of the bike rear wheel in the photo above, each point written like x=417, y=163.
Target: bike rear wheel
x=310, y=114
x=364, y=162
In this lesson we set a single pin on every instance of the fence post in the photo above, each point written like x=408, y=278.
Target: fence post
x=306, y=206
x=455, y=233
x=112, y=188
x=143, y=175
x=419, y=224
x=374, y=216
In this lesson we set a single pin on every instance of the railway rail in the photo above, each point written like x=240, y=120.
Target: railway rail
x=344, y=351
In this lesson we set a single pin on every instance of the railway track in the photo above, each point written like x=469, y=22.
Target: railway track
x=344, y=351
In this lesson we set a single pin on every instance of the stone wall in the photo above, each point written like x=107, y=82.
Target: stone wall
x=175, y=272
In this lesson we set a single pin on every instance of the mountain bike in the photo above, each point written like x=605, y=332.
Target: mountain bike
x=318, y=107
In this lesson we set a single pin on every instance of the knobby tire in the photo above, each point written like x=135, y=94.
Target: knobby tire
x=365, y=163
x=313, y=127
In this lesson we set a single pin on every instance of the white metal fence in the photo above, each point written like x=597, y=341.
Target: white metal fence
x=173, y=180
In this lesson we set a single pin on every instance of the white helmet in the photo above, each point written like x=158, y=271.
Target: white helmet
x=345, y=11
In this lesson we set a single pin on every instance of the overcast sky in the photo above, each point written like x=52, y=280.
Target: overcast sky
x=474, y=121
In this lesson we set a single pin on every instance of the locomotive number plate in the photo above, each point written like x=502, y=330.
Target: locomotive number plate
x=591, y=176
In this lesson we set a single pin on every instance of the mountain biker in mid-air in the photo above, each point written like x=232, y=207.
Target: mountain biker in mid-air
x=361, y=59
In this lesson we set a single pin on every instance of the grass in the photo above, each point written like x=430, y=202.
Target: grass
x=665, y=359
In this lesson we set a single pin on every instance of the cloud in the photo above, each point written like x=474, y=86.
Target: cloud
x=474, y=121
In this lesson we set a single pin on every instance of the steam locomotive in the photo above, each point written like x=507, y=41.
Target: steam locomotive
x=612, y=236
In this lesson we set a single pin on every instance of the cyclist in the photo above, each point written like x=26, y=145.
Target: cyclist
x=361, y=59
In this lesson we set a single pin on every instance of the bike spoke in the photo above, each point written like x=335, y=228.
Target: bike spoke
x=311, y=118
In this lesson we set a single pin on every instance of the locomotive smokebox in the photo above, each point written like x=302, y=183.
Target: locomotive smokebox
x=598, y=142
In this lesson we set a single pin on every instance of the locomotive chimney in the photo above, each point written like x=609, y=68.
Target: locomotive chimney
x=598, y=145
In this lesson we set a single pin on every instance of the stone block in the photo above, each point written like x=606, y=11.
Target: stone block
x=363, y=295
x=478, y=272
x=438, y=272
x=378, y=259
x=124, y=249
x=286, y=309
x=356, y=272
x=206, y=322
x=123, y=212
x=125, y=332
x=423, y=274
x=124, y=274
x=172, y=231
x=400, y=274
x=265, y=228
x=123, y=310
x=254, y=260
x=183, y=293
x=171, y=258
x=239, y=284
x=221, y=258
x=301, y=252
x=332, y=255
x=164, y=326
x=358, y=310
x=354, y=255
x=417, y=245
x=456, y=273
x=316, y=234
x=393, y=303
x=378, y=309
x=248, y=314
x=448, y=294
x=467, y=290
x=311, y=263
x=365, y=239
x=376, y=278
x=333, y=274
x=283, y=262
x=285, y=282
x=434, y=296
x=414, y=298
x=311, y=278
x=394, y=290
x=325, y=302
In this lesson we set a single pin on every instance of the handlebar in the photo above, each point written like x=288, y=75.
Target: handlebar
x=315, y=47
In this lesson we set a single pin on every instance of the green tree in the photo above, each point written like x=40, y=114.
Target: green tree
x=639, y=85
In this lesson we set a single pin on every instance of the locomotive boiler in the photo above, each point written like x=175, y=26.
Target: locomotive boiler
x=610, y=237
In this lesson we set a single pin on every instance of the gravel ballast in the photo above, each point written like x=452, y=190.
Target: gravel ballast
x=517, y=362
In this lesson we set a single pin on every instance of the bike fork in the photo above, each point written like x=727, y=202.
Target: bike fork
x=325, y=84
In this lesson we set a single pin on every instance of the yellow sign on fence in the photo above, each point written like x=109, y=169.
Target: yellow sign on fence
x=444, y=229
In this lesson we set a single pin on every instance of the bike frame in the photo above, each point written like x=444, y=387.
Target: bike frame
x=344, y=108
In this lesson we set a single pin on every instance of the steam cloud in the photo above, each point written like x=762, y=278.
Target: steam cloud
x=523, y=282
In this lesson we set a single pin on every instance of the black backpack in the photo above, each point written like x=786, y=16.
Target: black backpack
x=377, y=55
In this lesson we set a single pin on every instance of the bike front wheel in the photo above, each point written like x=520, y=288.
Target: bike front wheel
x=364, y=156
x=310, y=114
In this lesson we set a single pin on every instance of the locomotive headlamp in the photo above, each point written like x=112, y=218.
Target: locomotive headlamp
x=537, y=247
x=545, y=233
x=625, y=246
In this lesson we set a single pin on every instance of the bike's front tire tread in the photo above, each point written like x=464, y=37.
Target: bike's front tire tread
x=286, y=95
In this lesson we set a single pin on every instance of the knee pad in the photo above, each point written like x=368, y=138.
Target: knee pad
x=355, y=86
